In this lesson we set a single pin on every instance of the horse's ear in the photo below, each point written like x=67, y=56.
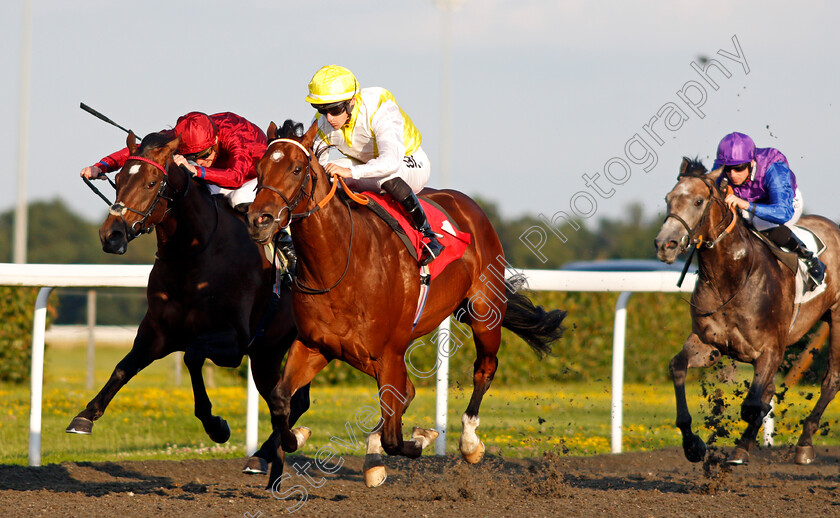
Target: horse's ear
x=309, y=137
x=714, y=175
x=172, y=145
x=684, y=166
x=271, y=131
x=131, y=142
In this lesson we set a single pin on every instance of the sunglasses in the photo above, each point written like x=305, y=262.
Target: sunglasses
x=333, y=109
x=737, y=168
x=201, y=155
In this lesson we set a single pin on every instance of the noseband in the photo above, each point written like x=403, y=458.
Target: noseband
x=689, y=238
x=301, y=192
x=139, y=227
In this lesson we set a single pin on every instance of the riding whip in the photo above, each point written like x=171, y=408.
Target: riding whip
x=99, y=116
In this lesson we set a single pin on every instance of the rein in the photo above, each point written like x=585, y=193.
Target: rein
x=291, y=205
x=699, y=241
x=138, y=227
x=741, y=287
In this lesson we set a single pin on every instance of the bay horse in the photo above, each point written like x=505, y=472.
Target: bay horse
x=743, y=305
x=357, y=289
x=209, y=291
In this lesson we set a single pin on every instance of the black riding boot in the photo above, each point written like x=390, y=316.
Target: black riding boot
x=283, y=242
x=402, y=194
x=785, y=238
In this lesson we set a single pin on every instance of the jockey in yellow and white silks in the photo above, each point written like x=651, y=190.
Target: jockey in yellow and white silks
x=379, y=141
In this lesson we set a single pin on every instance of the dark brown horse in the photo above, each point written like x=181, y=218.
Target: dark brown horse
x=357, y=290
x=743, y=305
x=209, y=292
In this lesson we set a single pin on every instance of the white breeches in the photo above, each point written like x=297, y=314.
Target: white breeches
x=415, y=170
x=761, y=224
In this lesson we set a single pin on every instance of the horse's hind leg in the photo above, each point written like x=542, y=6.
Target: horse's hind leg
x=830, y=385
x=267, y=454
x=148, y=346
x=487, y=340
x=694, y=353
x=267, y=367
x=757, y=403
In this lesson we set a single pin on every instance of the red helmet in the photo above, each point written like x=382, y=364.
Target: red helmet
x=198, y=132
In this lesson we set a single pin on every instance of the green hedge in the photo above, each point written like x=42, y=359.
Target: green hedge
x=17, y=306
x=657, y=326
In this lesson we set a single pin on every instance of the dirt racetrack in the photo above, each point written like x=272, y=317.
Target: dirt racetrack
x=660, y=483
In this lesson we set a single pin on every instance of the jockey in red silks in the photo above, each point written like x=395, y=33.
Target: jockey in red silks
x=765, y=190
x=222, y=149
x=380, y=142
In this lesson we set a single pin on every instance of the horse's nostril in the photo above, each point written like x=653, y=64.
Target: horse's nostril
x=671, y=244
x=264, y=220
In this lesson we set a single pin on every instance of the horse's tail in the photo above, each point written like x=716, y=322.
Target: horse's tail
x=538, y=327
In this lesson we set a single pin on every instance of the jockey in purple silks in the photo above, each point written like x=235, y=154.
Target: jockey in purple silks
x=765, y=190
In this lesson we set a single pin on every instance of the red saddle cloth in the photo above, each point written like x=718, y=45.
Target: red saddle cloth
x=453, y=239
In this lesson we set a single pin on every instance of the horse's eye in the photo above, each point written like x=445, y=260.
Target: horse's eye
x=297, y=170
x=152, y=184
x=698, y=202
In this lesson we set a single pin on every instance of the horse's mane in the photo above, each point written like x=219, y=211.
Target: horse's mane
x=293, y=129
x=158, y=140
x=155, y=140
x=693, y=167
x=290, y=129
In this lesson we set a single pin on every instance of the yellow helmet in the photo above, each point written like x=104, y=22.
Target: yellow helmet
x=332, y=84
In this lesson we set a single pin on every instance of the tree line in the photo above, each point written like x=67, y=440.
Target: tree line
x=57, y=235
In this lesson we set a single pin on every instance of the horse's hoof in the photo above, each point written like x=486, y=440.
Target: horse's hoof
x=738, y=457
x=694, y=448
x=375, y=476
x=374, y=469
x=424, y=436
x=221, y=433
x=255, y=466
x=475, y=456
x=805, y=455
x=81, y=426
x=302, y=435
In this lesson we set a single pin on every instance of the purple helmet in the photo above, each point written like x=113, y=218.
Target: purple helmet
x=735, y=148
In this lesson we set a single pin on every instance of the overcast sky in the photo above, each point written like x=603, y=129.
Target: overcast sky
x=543, y=92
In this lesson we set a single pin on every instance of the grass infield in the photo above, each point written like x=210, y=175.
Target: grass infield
x=151, y=418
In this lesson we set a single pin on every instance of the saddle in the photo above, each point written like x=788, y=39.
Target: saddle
x=454, y=239
x=787, y=257
x=797, y=266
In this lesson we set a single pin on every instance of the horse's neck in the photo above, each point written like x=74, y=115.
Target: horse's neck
x=321, y=239
x=191, y=222
x=732, y=259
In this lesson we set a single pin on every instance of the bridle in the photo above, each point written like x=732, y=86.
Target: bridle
x=300, y=195
x=691, y=238
x=139, y=227
x=698, y=241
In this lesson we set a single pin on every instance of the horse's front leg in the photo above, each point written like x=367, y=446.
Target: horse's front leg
x=695, y=353
x=394, y=398
x=757, y=403
x=148, y=347
x=216, y=427
x=302, y=365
